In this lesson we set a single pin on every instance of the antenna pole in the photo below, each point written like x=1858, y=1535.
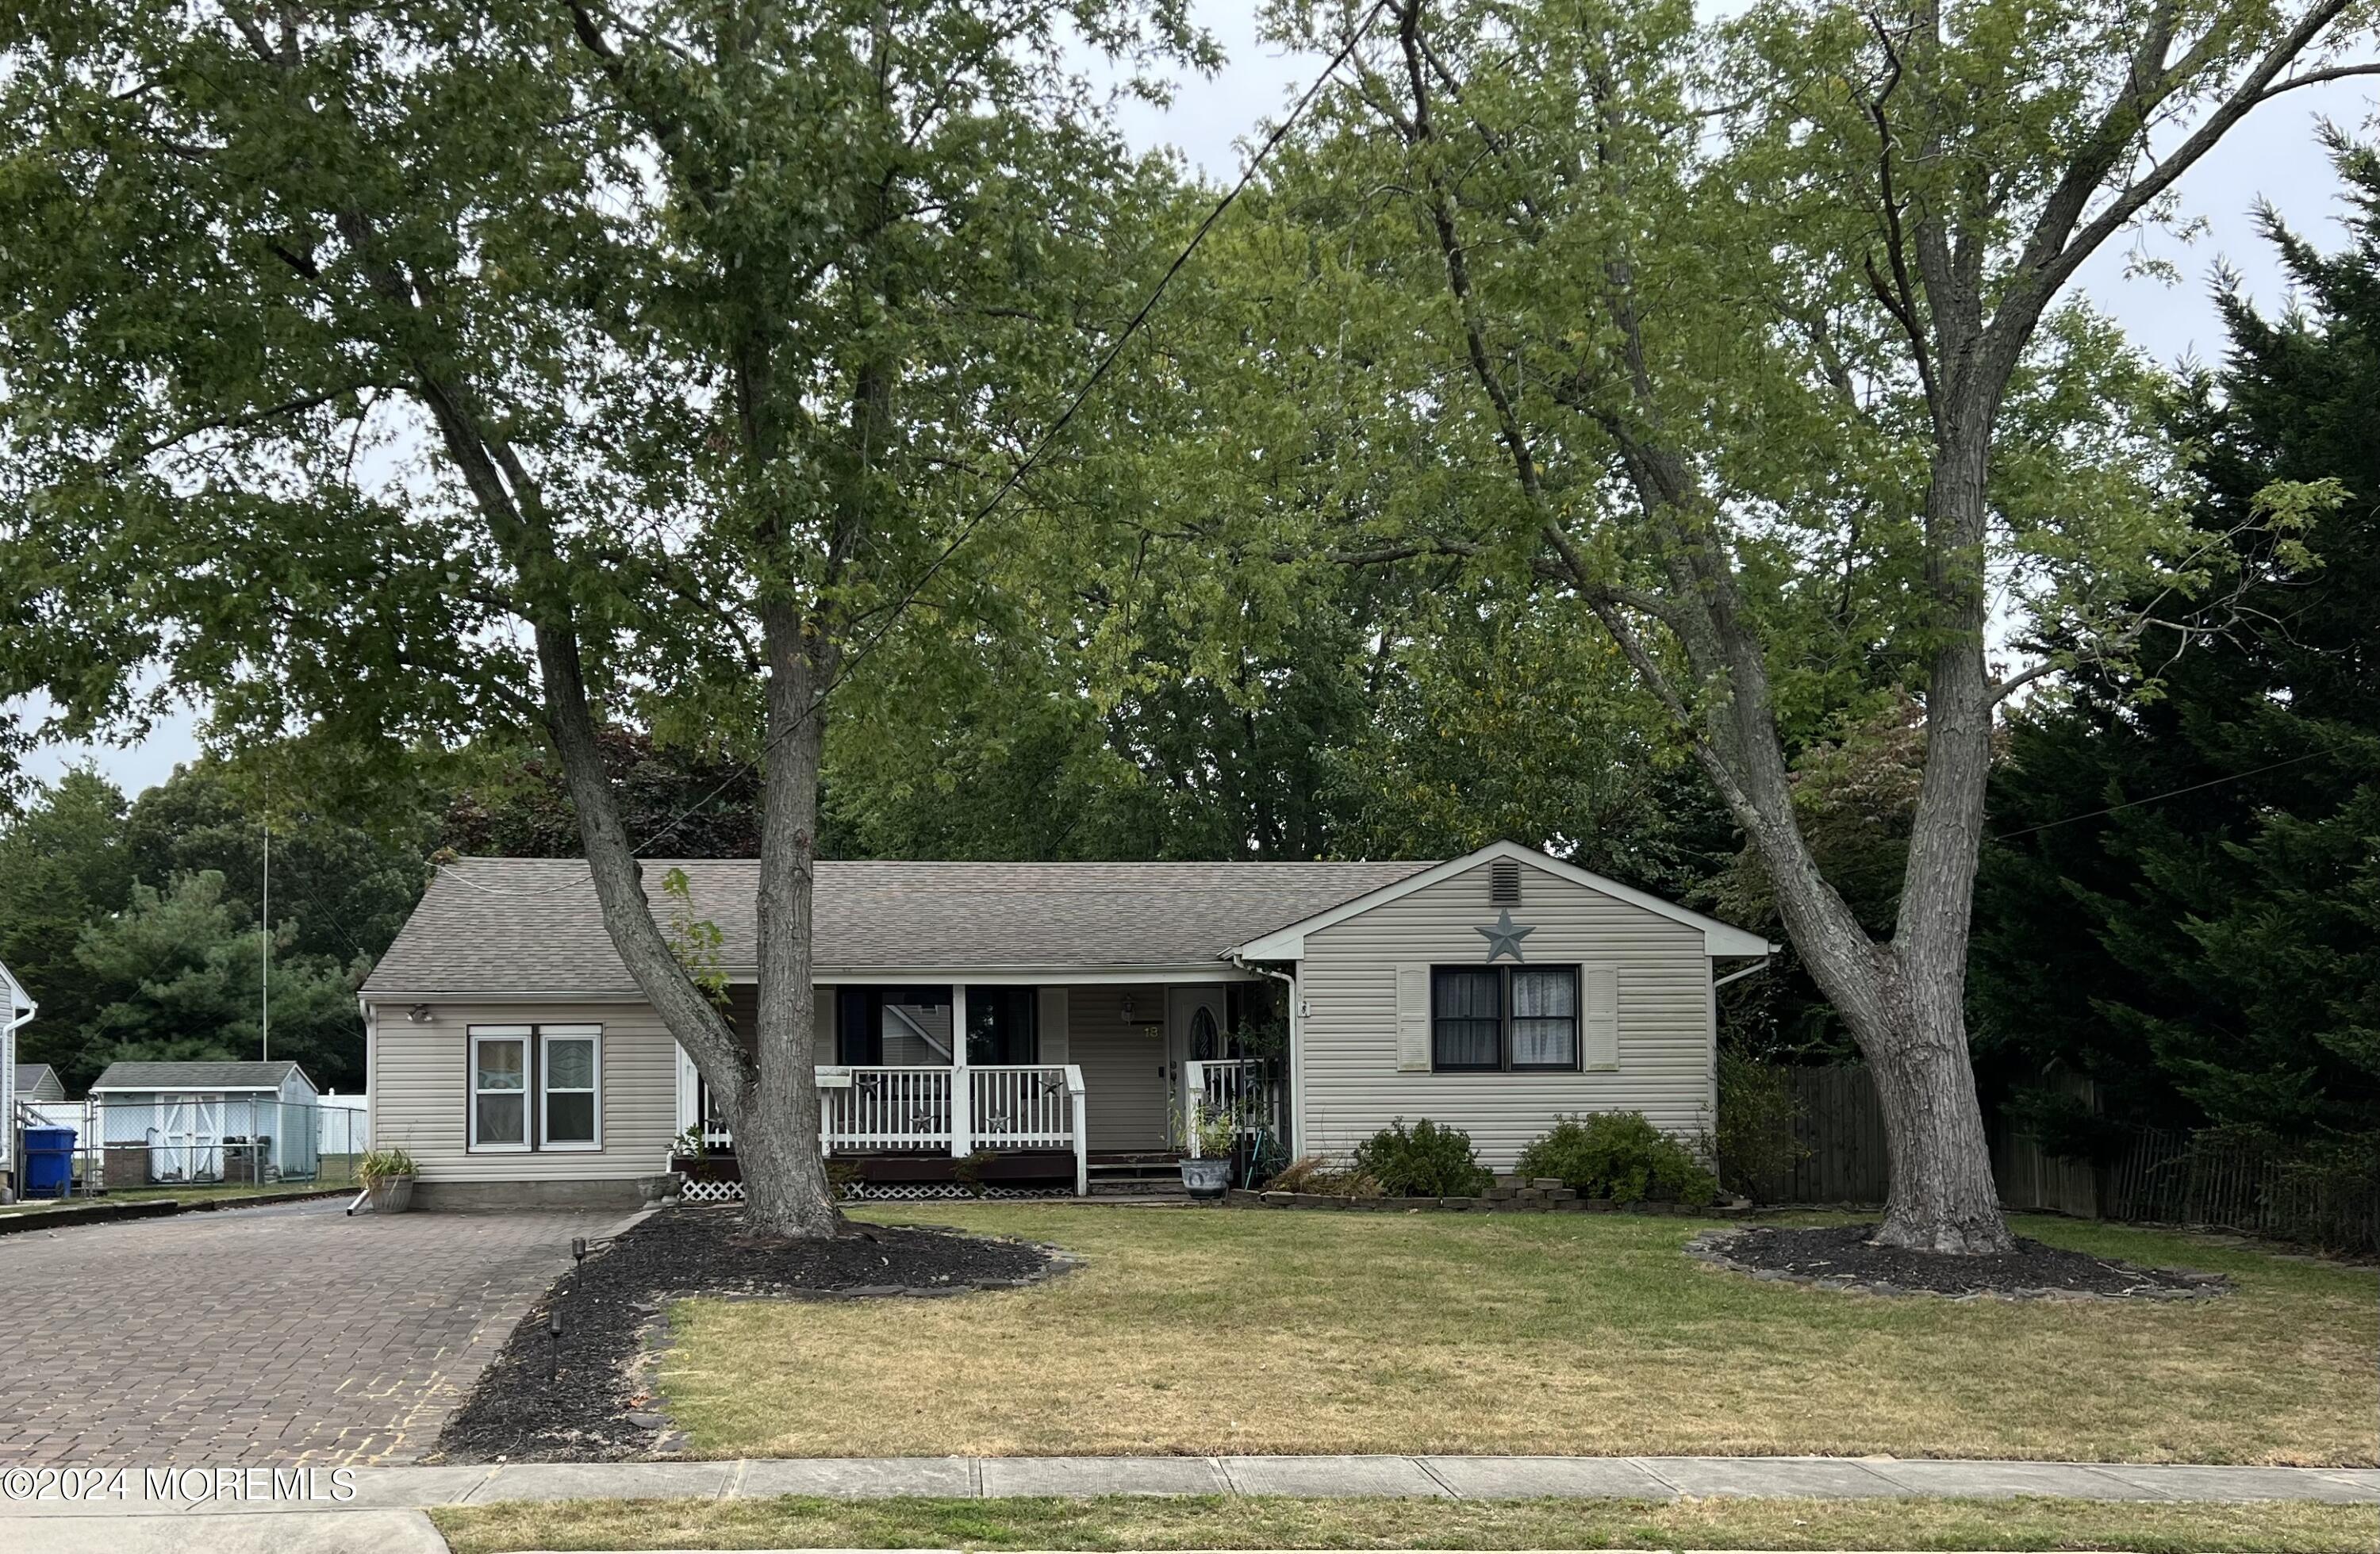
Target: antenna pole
x=265, y=985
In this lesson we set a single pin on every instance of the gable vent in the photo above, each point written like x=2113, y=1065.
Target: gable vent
x=1504, y=883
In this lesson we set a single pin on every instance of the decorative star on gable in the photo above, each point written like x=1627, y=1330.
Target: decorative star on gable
x=1504, y=937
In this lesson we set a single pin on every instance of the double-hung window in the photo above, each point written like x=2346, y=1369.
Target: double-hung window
x=571, y=1059
x=535, y=1087
x=1489, y=1019
x=500, y=1086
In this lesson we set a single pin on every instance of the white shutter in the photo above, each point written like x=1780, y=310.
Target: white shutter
x=1412, y=1018
x=1054, y=1045
x=1600, y=1028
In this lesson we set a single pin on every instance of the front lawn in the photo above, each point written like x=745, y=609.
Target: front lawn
x=1233, y=1331
x=1124, y=1522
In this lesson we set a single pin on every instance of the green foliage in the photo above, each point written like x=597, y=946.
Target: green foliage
x=375, y=1166
x=1426, y=1161
x=1621, y=1155
x=134, y=925
x=1754, y=1138
x=181, y=969
x=63, y=864
x=675, y=801
x=2214, y=955
x=695, y=942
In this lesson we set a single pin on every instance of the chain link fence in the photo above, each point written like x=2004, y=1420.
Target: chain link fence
x=231, y=1143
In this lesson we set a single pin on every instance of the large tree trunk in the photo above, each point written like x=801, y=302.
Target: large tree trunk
x=791, y=1196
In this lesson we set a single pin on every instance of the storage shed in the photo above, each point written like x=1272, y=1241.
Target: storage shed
x=17, y=1007
x=205, y=1121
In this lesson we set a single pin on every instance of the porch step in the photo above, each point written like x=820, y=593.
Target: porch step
x=1132, y=1175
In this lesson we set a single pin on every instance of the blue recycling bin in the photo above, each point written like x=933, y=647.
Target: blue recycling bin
x=49, y=1163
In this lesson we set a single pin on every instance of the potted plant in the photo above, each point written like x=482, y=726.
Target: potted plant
x=1216, y=1131
x=387, y=1177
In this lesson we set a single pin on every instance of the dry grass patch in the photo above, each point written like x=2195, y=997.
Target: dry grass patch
x=1126, y=1522
x=1239, y=1332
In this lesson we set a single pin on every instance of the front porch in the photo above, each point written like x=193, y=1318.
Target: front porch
x=1013, y=1088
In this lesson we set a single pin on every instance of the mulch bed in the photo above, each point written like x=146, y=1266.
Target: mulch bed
x=586, y=1397
x=1841, y=1258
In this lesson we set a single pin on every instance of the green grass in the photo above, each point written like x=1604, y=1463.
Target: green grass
x=1140, y=1523
x=1242, y=1330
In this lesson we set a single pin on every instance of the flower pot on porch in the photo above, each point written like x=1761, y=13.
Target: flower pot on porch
x=1206, y=1178
x=389, y=1195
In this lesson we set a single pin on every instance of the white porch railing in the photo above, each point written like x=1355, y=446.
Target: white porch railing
x=1247, y=1088
x=1005, y=1105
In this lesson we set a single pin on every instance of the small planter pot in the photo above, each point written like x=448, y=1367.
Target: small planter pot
x=1206, y=1178
x=391, y=1194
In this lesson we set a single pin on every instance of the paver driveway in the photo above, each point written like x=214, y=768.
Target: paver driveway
x=263, y=1335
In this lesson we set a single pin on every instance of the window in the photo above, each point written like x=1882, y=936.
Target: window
x=1494, y=1018
x=536, y=1087
x=500, y=1087
x=1467, y=1018
x=571, y=1065
x=1001, y=1024
x=1545, y=1017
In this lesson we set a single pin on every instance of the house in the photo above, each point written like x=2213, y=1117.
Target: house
x=17, y=1008
x=204, y=1121
x=1046, y=1026
x=39, y=1083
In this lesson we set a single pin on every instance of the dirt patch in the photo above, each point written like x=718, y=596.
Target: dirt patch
x=582, y=1395
x=1842, y=1257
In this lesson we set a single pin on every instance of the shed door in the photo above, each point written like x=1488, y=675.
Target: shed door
x=189, y=1142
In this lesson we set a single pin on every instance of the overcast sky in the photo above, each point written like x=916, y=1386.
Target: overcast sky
x=2273, y=157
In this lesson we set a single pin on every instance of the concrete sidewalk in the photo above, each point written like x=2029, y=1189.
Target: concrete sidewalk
x=403, y=1489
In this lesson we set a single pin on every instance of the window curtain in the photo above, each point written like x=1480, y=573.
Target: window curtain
x=1545, y=1018
x=1467, y=1019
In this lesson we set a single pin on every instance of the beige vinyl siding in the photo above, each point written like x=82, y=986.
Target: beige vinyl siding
x=1124, y=1065
x=419, y=1097
x=1351, y=1084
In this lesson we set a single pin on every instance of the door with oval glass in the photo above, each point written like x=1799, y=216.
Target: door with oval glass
x=1194, y=1032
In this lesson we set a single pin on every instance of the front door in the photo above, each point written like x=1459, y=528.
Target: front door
x=1194, y=1032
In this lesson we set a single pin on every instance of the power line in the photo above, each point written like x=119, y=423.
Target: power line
x=2170, y=793
x=1032, y=459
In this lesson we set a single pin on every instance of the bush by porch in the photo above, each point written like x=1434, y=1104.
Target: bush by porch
x=1252, y=1332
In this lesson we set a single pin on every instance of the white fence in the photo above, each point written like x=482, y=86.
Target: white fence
x=1003, y=1106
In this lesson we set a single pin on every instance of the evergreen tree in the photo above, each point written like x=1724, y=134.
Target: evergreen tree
x=2209, y=950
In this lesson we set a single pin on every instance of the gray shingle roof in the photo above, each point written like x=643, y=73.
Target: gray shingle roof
x=531, y=925
x=193, y=1076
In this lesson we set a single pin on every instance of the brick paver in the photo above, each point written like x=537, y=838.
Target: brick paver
x=285, y=1334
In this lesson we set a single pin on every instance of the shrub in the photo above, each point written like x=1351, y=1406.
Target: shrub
x=1757, y=1109
x=1312, y=1173
x=1425, y=1162
x=1620, y=1155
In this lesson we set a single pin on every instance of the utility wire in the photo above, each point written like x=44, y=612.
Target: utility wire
x=1032, y=459
x=2170, y=793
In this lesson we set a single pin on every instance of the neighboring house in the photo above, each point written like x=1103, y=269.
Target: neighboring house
x=1099, y=1005
x=39, y=1082
x=205, y=1121
x=17, y=1008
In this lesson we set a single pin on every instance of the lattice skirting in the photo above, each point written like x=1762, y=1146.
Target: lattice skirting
x=733, y=1192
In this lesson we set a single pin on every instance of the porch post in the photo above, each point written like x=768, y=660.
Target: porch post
x=962, y=1088
x=1082, y=1131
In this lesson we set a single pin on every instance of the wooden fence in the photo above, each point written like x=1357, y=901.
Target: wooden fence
x=2219, y=1178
